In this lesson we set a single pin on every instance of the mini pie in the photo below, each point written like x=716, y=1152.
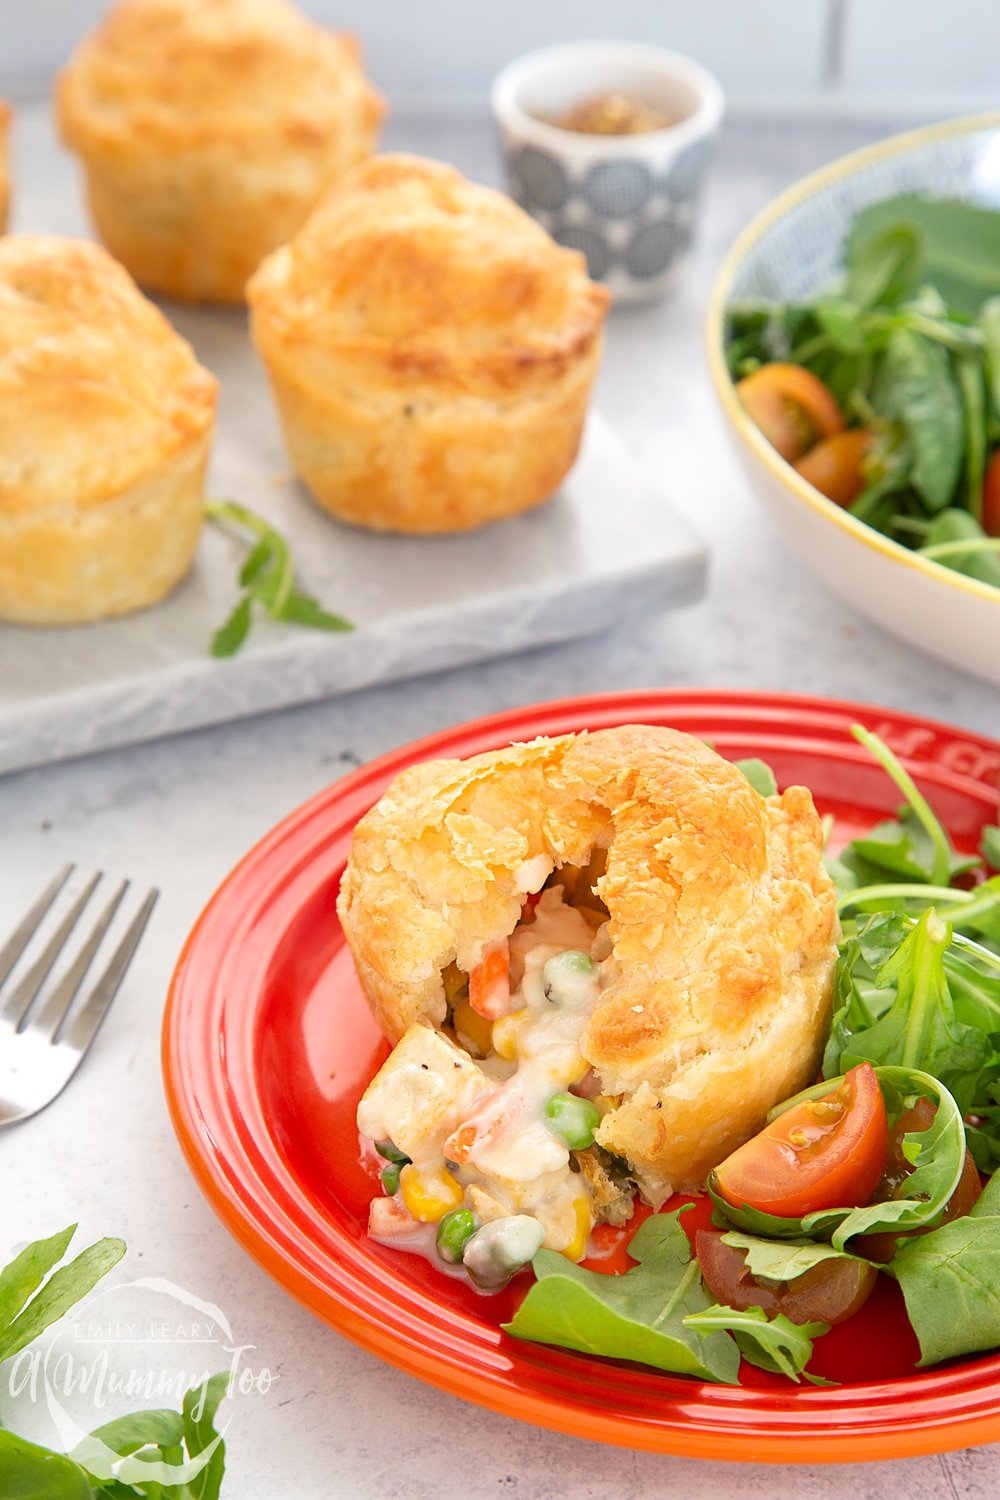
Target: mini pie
x=711, y=927
x=431, y=350
x=5, y=117
x=105, y=424
x=208, y=129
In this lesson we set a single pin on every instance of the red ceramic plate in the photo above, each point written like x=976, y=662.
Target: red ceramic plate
x=268, y=1044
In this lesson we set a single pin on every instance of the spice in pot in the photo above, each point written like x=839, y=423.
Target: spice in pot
x=612, y=114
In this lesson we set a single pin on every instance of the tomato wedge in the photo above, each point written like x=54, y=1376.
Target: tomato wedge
x=791, y=406
x=831, y=1292
x=835, y=466
x=825, y=1153
x=991, y=496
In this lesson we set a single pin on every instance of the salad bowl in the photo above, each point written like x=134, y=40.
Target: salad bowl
x=268, y=1044
x=793, y=248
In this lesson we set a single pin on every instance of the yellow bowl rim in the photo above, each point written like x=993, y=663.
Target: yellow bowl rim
x=751, y=435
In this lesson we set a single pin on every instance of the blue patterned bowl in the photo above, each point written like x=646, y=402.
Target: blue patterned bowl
x=793, y=247
x=627, y=201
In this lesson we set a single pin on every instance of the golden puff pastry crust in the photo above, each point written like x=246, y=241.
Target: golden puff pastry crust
x=105, y=425
x=208, y=129
x=722, y=923
x=5, y=119
x=430, y=347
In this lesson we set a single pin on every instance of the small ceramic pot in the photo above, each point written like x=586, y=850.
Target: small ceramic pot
x=629, y=202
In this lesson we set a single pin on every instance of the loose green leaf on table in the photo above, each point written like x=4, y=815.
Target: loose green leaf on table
x=148, y=1453
x=776, y=1344
x=63, y=1289
x=268, y=579
x=639, y=1315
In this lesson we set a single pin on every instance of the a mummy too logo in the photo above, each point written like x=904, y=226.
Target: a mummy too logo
x=130, y=1383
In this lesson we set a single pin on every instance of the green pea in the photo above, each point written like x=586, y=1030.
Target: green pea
x=453, y=1233
x=573, y=1120
x=392, y=1153
x=568, y=978
x=500, y=1248
x=389, y=1178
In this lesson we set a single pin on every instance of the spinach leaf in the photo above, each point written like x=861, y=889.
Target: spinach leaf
x=776, y=1344
x=959, y=244
x=950, y=1280
x=952, y=526
x=916, y=387
x=639, y=1316
x=759, y=775
x=883, y=267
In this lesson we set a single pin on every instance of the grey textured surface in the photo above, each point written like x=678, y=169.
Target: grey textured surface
x=181, y=811
x=609, y=546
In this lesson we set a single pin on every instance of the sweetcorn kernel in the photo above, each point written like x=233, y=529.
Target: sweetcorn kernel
x=505, y=1034
x=575, y=1070
x=429, y=1195
x=577, y=1247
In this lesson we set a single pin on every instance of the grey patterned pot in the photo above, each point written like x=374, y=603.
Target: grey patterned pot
x=627, y=202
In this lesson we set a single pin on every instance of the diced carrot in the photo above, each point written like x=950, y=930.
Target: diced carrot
x=489, y=983
x=458, y=1146
x=490, y=1120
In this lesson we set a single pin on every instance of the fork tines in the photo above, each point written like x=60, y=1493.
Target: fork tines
x=17, y=1006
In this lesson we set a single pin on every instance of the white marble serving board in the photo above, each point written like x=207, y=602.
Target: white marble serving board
x=608, y=547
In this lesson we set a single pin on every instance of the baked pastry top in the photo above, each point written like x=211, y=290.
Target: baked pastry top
x=419, y=277
x=720, y=938
x=97, y=390
x=172, y=76
x=5, y=117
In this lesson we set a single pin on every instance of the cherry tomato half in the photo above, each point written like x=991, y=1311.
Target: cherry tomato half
x=834, y=466
x=824, y=1153
x=893, y=1183
x=831, y=1292
x=791, y=406
x=991, y=496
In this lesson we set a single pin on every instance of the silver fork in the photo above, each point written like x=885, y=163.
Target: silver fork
x=42, y=1047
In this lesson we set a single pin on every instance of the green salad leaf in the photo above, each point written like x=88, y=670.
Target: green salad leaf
x=959, y=244
x=640, y=1315
x=950, y=1280
x=783, y=1260
x=907, y=340
x=776, y=1344
x=759, y=775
